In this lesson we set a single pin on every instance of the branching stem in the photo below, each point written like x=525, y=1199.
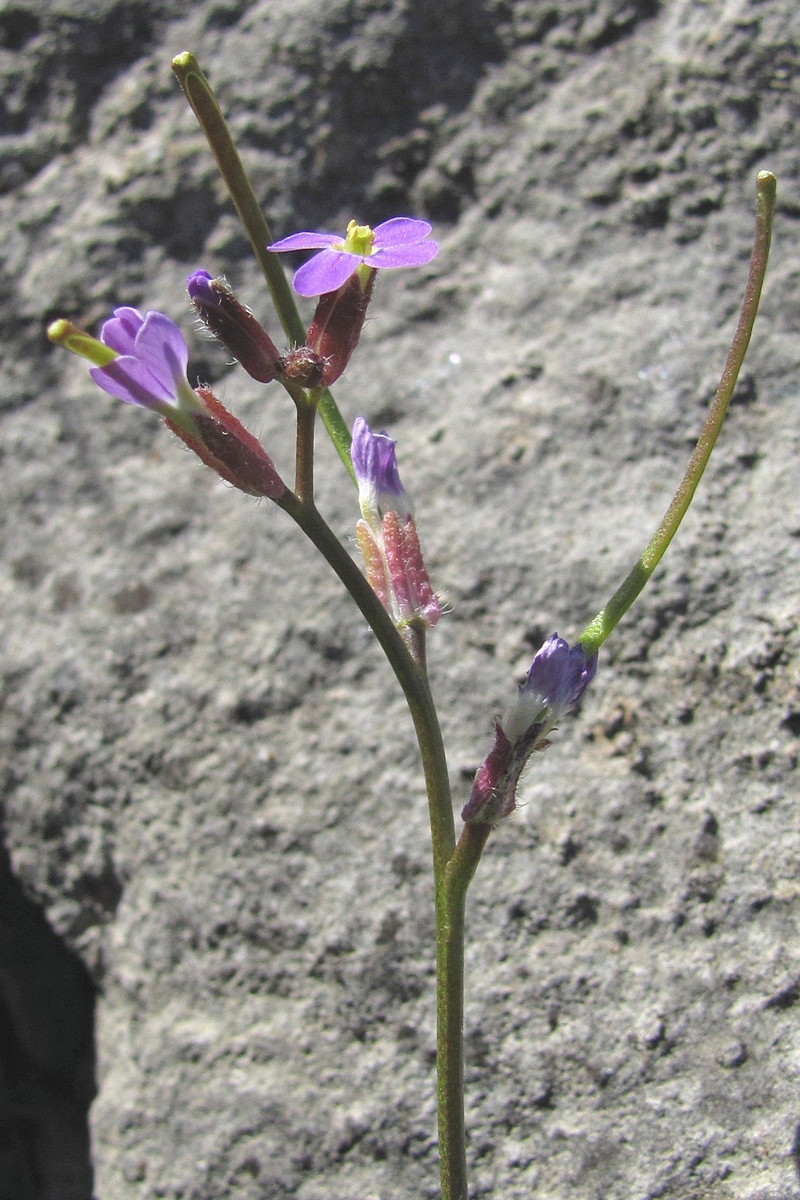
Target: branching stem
x=598, y=630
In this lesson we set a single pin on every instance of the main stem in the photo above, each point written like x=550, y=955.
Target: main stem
x=449, y=885
x=450, y=1009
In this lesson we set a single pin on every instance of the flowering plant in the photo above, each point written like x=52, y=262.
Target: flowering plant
x=142, y=359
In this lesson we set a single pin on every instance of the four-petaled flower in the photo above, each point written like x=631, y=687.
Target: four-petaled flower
x=150, y=369
x=399, y=242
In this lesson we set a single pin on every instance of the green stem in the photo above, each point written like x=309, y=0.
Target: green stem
x=335, y=427
x=304, y=452
x=450, y=1010
x=598, y=630
x=448, y=899
x=204, y=104
x=412, y=680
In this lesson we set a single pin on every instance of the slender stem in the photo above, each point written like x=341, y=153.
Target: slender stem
x=450, y=1011
x=598, y=630
x=413, y=681
x=448, y=900
x=304, y=451
x=201, y=97
x=335, y=427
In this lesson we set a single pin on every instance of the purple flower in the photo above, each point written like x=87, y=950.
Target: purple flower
x=387, y=536
x=142, y=360
x=399, y=242
x=558, y=677
x=375, y=465
x=151, y=367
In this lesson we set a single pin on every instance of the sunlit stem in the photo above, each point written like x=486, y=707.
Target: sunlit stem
x=448, y=900
x=304, y=452
x=598, y=630
x=204, y=104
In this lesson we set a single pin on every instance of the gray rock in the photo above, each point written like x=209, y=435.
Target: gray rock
x=211, y=788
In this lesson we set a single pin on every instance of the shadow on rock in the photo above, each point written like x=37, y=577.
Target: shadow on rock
x=47, y=1055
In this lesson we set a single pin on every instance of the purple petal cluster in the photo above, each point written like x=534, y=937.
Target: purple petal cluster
x=399, y=242
x=151, y=368
x=375, y=465
x=558, y=677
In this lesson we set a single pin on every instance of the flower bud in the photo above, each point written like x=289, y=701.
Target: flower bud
x=412, y=600
x=303, y=366
x=375, y=464
x=234, y=325
x=387, y=535
x=558, y=677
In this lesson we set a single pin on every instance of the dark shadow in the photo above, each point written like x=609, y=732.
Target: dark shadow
x=796, y=1151
x=47, y=1055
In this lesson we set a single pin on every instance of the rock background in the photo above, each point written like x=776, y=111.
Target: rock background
x=213, y=809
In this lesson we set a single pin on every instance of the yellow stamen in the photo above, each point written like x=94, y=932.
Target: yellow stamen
x=359, y=239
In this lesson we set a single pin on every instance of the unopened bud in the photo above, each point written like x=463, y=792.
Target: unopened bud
x=234, y=325
x=558, y=677
x=303, y=366
x=413, y=597
x=374, y=561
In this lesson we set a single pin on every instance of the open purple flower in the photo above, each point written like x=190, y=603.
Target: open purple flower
x=399, y=242
x=142, y=360
x=151, y=368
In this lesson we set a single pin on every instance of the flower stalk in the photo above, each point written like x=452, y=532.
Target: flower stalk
x=612, y=613
x=204, y=104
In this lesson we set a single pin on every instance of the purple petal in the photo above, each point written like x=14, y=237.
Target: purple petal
x=197, y=285
x=559, y=674
x=129, y=380
x=161, y=349
x=404, y=256
x=325, y=272
x=400, y=231
x=375, y=465
x=305, y=241
x=119, y=332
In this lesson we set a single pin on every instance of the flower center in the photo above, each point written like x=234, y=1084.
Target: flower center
x=359, y=240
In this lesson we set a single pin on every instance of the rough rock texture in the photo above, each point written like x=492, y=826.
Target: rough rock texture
x=211, y=788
